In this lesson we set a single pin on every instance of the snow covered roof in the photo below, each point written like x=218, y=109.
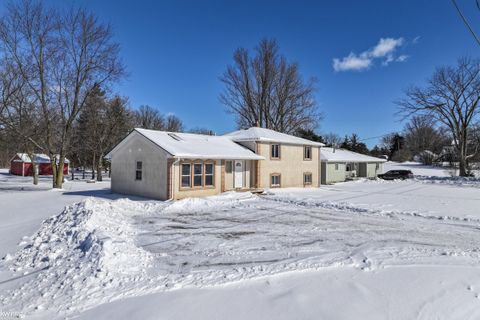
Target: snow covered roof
x=198, y=146
x=267, y=135
x=38, y=157
x=342, y=155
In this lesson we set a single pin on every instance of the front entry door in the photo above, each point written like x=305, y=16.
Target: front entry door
x=238, y=174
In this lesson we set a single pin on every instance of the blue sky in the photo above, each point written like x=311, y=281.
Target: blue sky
x=175, y=52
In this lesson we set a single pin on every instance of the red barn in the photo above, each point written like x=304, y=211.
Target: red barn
x=21, y=165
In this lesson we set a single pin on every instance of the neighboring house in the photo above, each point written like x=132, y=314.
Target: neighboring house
x=340, y=165
x=167, y=165
x=21, y=165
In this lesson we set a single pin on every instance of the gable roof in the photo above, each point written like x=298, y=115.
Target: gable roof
x=197, y=146
x=38, y=157
x=267, y=135
x=342, y=155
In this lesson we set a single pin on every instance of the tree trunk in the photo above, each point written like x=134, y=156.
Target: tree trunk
x=462, y=160
x=99, y=168
x=34, y=167
x=59, y=178
x=35, y=172
x=53, y=161
x=94, y=164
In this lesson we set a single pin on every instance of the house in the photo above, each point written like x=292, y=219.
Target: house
x=289, y=161
x=21, y=165
x=168, y=165
x=340, y=165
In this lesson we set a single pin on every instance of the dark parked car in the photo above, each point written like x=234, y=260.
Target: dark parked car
x=396, y=174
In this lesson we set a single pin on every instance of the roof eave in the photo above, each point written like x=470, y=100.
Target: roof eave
x=217, y=157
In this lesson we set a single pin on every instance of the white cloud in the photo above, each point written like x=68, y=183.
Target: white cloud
x=352, y=62
x=416, y=39
x=385, y=47
x=384, y=50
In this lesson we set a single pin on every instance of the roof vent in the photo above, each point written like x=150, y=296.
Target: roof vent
x=175, y=137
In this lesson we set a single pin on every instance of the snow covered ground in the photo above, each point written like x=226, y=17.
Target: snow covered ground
x=356, y=250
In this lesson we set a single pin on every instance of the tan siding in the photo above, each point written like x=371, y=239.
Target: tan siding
x=180, y=193
x=228, y=178
x=291, y=166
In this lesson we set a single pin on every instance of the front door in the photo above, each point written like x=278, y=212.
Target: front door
x=238, y=174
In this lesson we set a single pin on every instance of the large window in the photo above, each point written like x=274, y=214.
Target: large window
x=185, y=175
x=275, y=180
x=307, y=153
x=307, y=178
x=138, y=171
x=208, y=174
x=275, y=151
x=197, y=174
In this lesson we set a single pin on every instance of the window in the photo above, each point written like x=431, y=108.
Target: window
x=377, y=166
x=197, y=174
x=307, y=178
x=208, y=174
x=336, y=166
x=185, y=177
x=275, y=151
x=307, y=153
x=275, y=180
x=228, y=167
x=138, y=171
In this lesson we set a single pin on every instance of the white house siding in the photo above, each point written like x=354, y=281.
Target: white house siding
x=372, y=170
x=331, y=174
x=365, y=170
x=154, y=168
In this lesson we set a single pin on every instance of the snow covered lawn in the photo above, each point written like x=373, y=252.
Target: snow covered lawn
x=24, y=206
x=365, y=249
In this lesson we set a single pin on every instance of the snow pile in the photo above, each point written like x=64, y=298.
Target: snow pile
x=79, y=257
x=227, y=200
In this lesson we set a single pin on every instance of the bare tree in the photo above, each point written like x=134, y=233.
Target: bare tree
x=173, y=124
x=19, y=120
x=149, y=118
x=61, y=56
x=424, y=139
x=451, y=98
x=332, y=140
x=204, y=131
x=269, y=92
